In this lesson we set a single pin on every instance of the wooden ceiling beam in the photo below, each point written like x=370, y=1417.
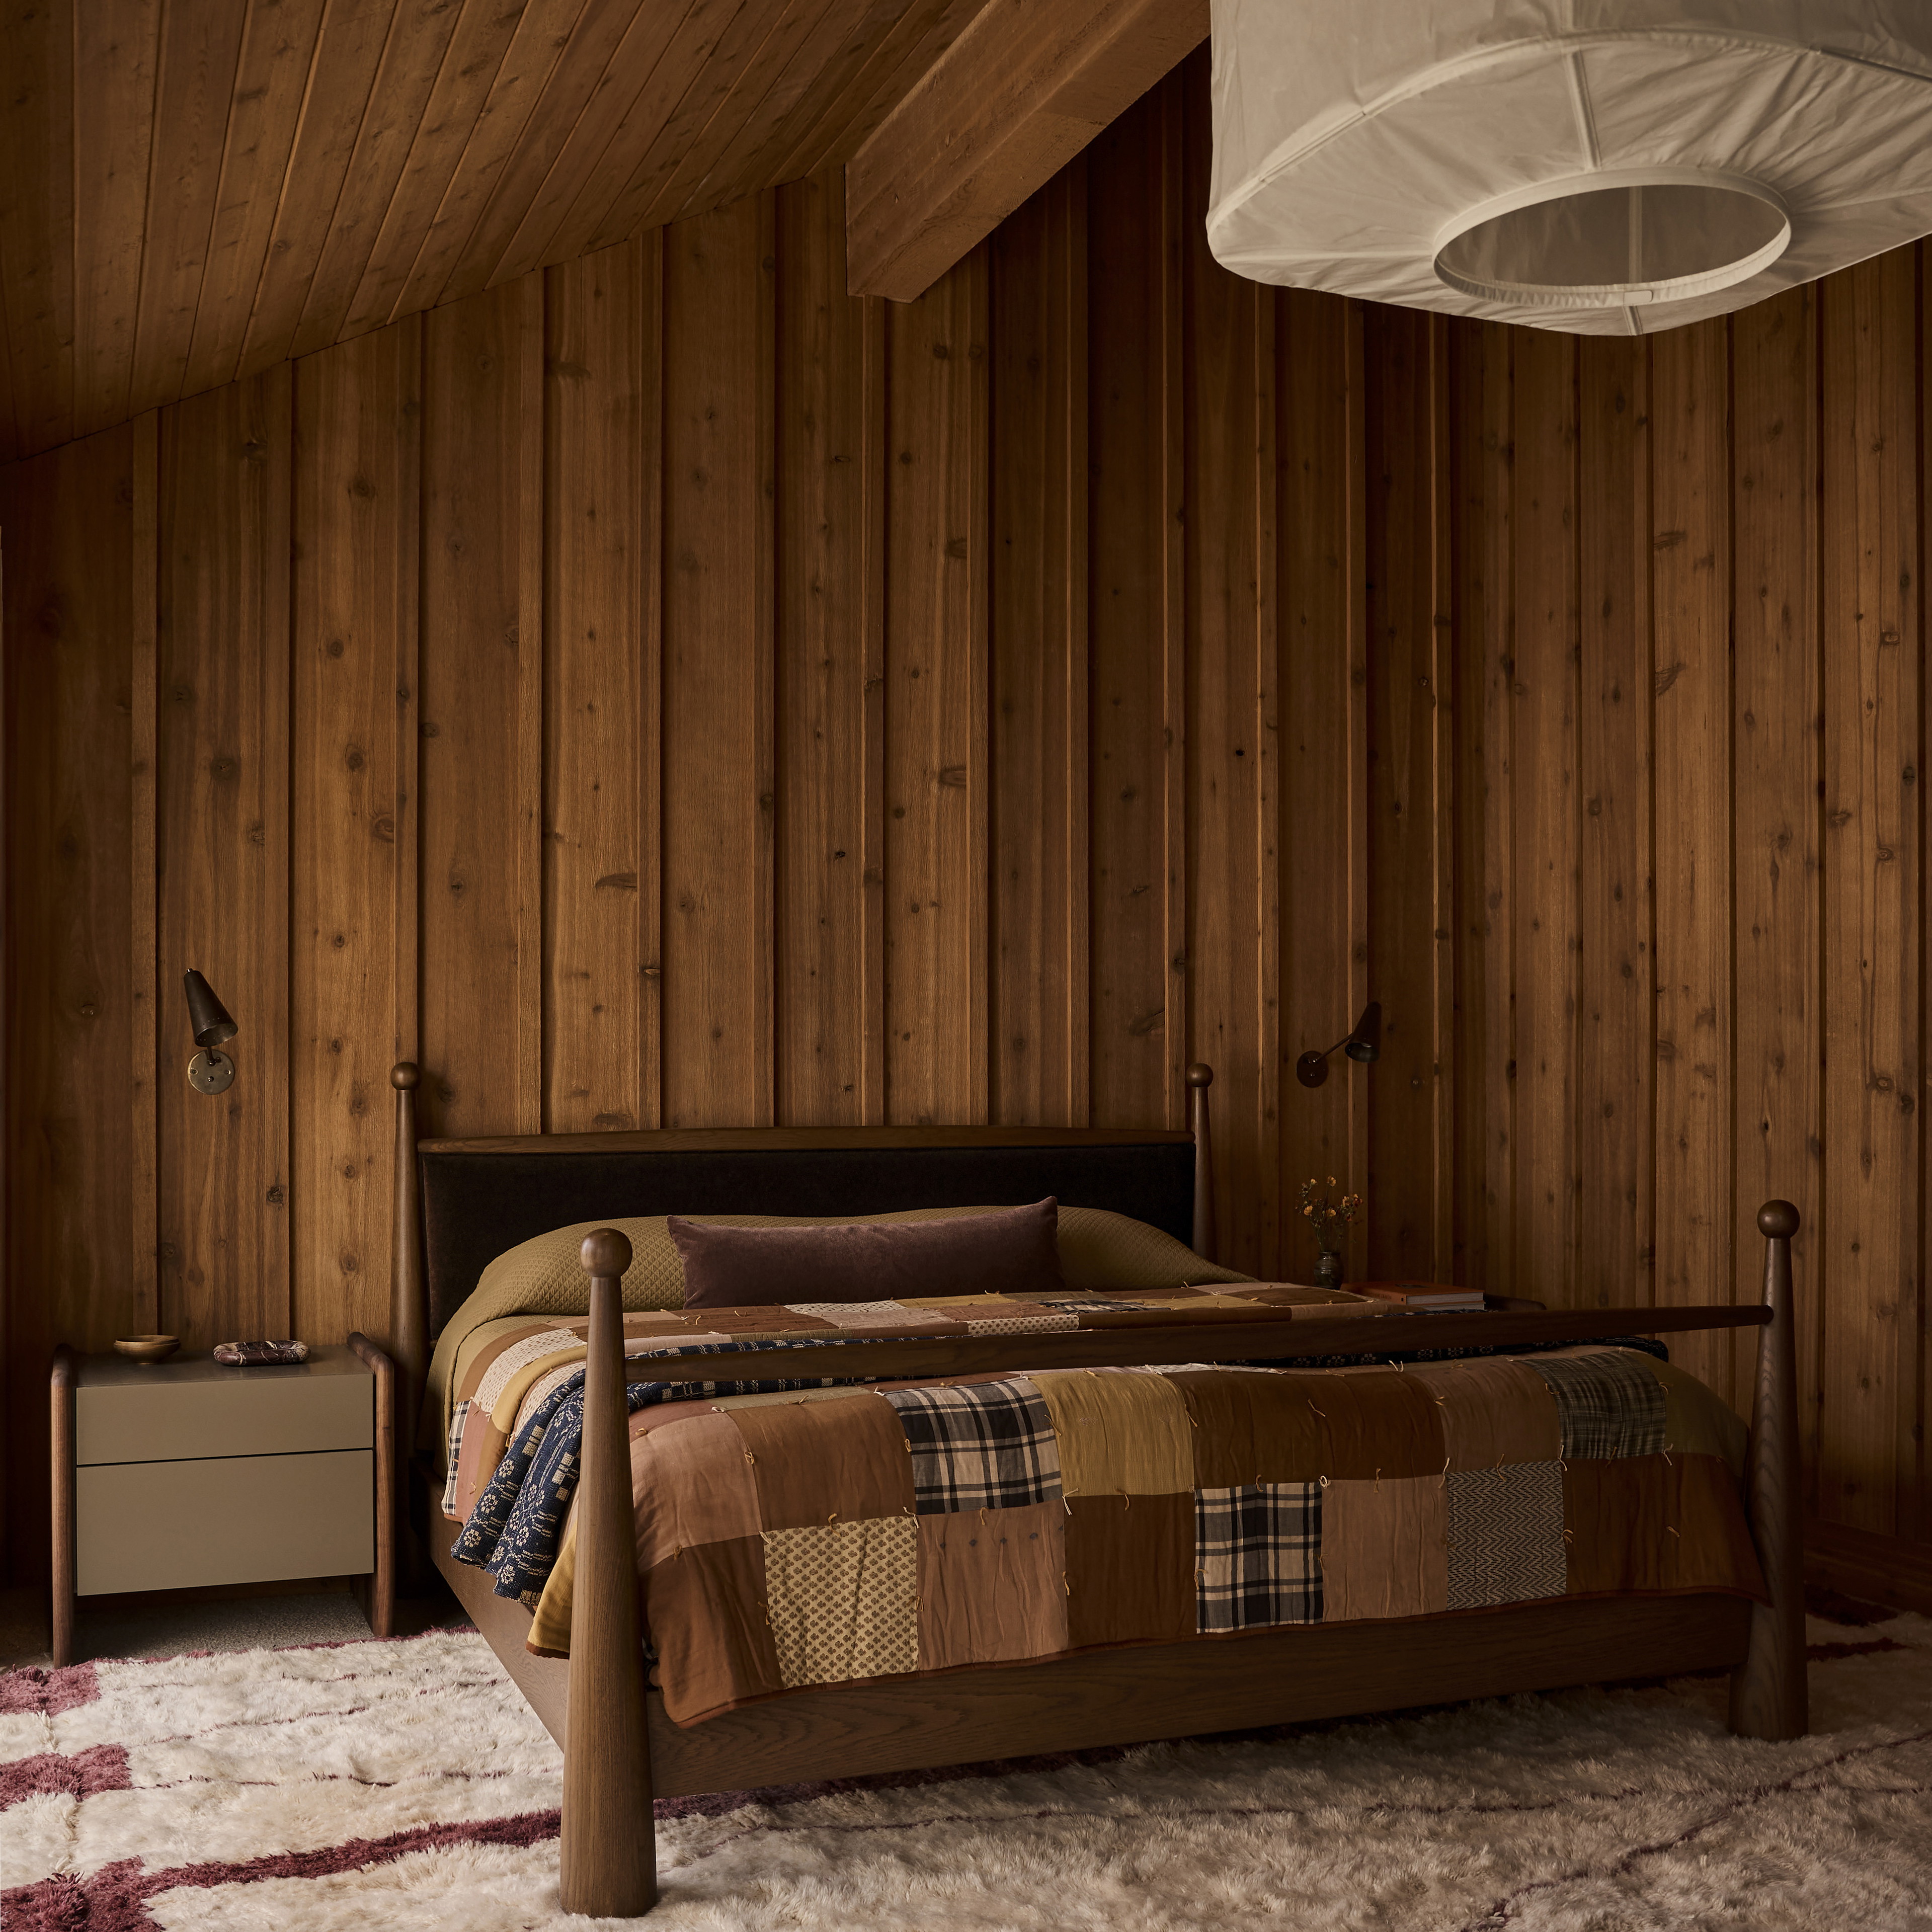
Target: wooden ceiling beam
x=1013, y=99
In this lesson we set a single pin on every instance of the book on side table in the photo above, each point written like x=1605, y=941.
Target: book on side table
x=1421, y=1298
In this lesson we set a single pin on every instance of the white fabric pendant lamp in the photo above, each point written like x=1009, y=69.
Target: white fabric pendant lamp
x=1599, y=167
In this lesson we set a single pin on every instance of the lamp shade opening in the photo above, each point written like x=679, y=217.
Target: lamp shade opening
x=206, y=1014
x=1581, y=242
x=1365, y=1043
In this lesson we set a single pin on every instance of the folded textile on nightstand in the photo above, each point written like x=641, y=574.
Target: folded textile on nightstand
x=260, y=1354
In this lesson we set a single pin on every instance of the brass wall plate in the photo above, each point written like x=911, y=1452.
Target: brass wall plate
x=211, y=1071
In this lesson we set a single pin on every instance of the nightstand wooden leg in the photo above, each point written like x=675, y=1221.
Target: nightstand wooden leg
x=379, y=1604
x=60, y=1405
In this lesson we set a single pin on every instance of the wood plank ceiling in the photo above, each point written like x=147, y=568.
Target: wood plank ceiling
x=194, y=190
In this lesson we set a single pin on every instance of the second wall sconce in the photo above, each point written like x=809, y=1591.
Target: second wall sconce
x=1364, y=1044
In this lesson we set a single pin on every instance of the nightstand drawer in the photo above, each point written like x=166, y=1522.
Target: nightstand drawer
x=226, y=1519
x=202, y=1409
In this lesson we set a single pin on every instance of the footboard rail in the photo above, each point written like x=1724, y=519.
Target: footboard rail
x=608, y=1864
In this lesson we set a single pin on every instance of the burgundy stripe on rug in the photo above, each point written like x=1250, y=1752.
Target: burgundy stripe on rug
x=99, y=1768
x=47, y=1690
x=115, y=1899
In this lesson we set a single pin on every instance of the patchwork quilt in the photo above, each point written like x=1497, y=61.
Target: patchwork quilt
x=506, y=1368
x=819, y=1533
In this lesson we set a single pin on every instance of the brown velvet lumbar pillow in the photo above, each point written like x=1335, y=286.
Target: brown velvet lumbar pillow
x=1008, y=1251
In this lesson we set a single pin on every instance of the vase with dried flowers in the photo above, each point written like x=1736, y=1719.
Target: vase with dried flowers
x=1331, y=1217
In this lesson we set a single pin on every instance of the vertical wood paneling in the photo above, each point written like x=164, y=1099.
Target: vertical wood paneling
x=1234, y=830
x=1442, y=698
x=144, y=989
x=1137, y=747
x=1037, y=601
x=1355, y=385
x=831, y=671
x=1615, y=1052
x=353, y=884
x=1691, y=569
x=1484, y=537
x=221, y=810
x=719, y=787
x=602, y=904
x=481, y=706
x=1918, y=1522
x=1545, y=695
x=1398, y=808
x=1323, y=698
x=1778, y=703
x=936, y=698
x=1872, y=998
x=69, y=1005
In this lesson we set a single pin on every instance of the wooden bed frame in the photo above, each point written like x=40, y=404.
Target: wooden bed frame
x=620, y=1749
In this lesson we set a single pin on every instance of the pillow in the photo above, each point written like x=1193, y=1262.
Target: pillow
x=1009, y=1251
x=1098, y=1251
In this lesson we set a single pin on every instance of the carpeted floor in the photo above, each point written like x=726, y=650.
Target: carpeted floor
x=405, y=1784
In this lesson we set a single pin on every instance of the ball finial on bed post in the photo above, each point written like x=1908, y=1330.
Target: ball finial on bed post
x=1777, y=1220
x=605, y=1255
x=405, y=1076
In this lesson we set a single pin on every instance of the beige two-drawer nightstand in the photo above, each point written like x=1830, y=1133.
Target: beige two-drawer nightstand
x=189, y=1475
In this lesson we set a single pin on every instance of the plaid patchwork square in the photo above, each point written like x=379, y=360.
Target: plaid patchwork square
x=1606, y=1405
x=990, y=1446
x=1258, y=1556
x=457, y=1423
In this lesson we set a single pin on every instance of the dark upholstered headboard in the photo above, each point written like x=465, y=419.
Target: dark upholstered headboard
x=479, y=1202
x=460, y=1204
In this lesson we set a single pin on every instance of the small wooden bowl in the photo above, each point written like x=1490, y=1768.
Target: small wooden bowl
x=146, y=1349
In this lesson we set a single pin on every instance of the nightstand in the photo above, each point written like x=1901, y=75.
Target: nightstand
x=188, y=1474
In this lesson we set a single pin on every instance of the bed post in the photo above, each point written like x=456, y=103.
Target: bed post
x=608, y=1858
x=1768, y=1694
x=409, y=1306
x=1200, y=1078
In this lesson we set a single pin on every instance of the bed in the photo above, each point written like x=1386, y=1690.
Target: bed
x=461, y=1203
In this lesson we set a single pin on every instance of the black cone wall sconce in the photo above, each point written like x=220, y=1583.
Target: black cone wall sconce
x=1364, y=1044
x=211, y=1071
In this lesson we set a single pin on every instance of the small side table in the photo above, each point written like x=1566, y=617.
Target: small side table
x=189, y=1473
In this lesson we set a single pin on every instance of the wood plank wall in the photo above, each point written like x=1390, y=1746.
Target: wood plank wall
x=663, y=691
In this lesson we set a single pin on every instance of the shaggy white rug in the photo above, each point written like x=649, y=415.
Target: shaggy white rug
x=406, y=1784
